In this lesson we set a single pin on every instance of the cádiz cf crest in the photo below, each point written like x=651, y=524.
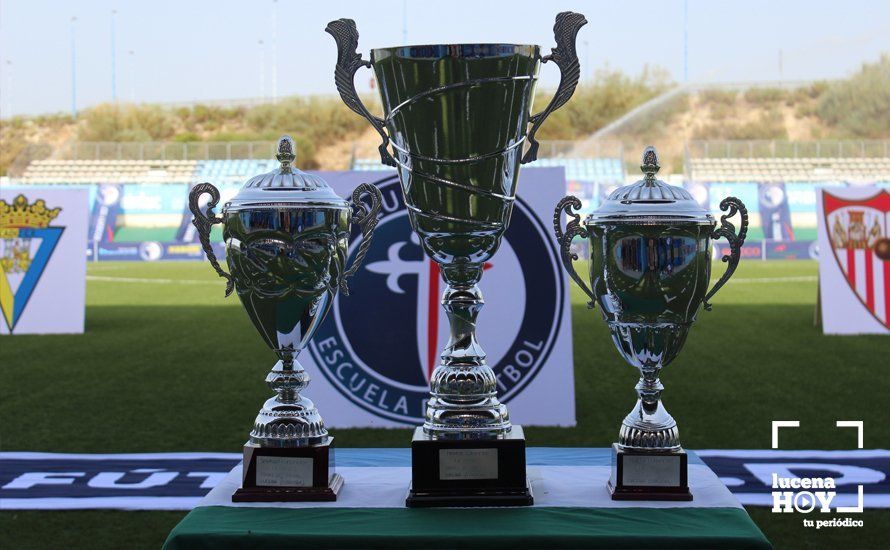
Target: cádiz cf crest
x=27, y=242
x=857, y=230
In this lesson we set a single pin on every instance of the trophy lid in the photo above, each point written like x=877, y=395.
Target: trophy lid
x=650, y=200
x=286, y=184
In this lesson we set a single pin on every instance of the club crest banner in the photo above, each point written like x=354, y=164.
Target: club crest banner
x=854, y=262
x=372, y=357
x=178, y=481
x=43, y=238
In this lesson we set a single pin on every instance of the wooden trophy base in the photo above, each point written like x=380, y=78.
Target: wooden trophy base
x=641, y=475
x=289, y=474
x=468, y=472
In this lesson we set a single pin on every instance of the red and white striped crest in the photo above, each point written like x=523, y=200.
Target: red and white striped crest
x=855, y=229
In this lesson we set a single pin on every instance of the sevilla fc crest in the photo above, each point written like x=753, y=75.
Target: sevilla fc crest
x=857, y=230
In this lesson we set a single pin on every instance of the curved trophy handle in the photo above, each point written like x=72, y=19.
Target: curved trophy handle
x=573, y=229
x=367, y=218
x=203, y=222
x=736, y=240
x=349, y=61
x=565, y=31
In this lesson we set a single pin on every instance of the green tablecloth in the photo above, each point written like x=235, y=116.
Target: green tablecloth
x=572, y=509
x=224, y=527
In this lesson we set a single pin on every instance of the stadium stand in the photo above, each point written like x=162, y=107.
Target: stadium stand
x=828, y=169
x=600, y=169
x=778, y=181
x=604, y=170
x=232, y=170
x=108, y=171
x=142, y=171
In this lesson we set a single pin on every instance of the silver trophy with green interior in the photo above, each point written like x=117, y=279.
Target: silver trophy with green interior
x=286, y=237
x=650, y=266
x=457, y=124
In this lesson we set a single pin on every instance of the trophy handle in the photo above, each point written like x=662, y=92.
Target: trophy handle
x=736, y=240
x=203, y=222
x=349, y=61
x=565, y=31
x=367, y=218
x=573, y=229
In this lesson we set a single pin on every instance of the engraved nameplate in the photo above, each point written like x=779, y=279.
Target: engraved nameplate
x=283, y=471
x=651, y=471
x=468, y=464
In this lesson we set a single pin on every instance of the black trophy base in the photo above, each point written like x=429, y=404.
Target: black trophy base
x=463, y=499
x=641, y=475
x=291, y=494
x=289, y=474
x=468, y=472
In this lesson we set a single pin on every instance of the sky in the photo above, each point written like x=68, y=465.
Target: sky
x=188, y=50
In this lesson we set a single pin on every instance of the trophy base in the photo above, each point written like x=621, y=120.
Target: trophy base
x=649, y=475
x=468, y=472
x=289, y=474
x=291, y=494
x=464, y=499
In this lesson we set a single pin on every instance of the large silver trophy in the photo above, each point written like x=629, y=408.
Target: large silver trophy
x=457, y=119
x=287, y=243
x=650, y=265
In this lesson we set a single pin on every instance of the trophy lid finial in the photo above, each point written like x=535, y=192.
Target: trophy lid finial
x=649, y=164
x=650, y=200
x=289, y=183
x=286, y=153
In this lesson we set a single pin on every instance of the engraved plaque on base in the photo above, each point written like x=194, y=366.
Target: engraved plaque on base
x=284, y=471
x=468, y=464
x=647, y=475
x=294, y=474
x=469, y=472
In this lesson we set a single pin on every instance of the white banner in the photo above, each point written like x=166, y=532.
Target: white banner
x=178, y=481
x=43, y=240
x=371, y=359
x=854, y=260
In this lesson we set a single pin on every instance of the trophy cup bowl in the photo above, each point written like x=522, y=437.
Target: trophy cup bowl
x=457, y=118
x=286, y=235
x=650, y=266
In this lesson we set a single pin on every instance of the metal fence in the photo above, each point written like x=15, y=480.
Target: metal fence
x=548, y=149
x=159, y=150
x=601, y=148
x=788, y=149
x=148, y=150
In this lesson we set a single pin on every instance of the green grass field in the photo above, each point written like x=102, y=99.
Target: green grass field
x=170, y=365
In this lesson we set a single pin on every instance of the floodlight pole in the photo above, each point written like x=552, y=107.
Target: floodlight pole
x=131, y=55
x=262, y=69
x=404, y=21
x=113, y=58
x=587, y=67
x=274, y=50
x=781, y=67
x=8, y=91
x=73, y=67
x=686, y=41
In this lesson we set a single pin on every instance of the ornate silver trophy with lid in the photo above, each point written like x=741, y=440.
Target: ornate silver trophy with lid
x=286, y=237
x=650, y=266
x=457, y=118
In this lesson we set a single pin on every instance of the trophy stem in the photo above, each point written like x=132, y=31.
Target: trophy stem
x=649, y=426
x=463, y=388
x=288, y=419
